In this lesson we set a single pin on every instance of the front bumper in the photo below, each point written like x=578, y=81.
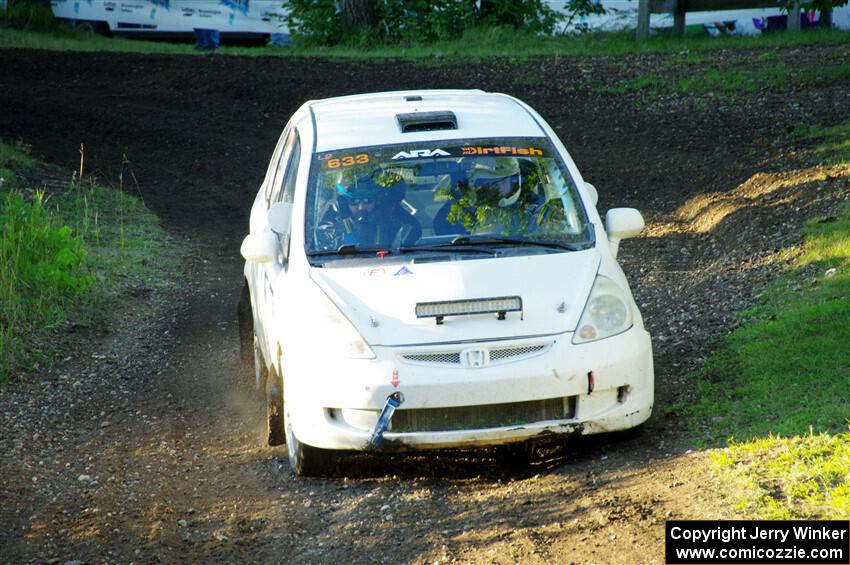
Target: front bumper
x=525, y=388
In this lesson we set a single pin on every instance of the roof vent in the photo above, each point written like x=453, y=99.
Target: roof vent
x=426, y=121
x=416, y=98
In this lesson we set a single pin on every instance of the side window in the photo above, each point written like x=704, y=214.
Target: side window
x=274, y=163
x=288, y=194
x=282, y=167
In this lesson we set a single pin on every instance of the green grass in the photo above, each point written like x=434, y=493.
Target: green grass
x=833, y=142
x=12, y=158
x=787, y=368
x=779, y=391
x=732, y=81
x=476, y=45
x=778, y=478
x=68, y=257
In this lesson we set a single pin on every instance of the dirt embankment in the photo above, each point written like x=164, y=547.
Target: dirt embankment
x=142, y=443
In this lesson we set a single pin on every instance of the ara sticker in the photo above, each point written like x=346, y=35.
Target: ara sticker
x=418, y=153
x=403, y=271
x=395, y=380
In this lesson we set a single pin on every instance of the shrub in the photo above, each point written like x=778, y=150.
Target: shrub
x=320, y=22
x=30, y=16
x=44, y=272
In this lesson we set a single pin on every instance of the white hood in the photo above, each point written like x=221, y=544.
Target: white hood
x=380, y=300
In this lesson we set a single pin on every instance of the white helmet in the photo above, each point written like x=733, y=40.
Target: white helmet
x=489, y=170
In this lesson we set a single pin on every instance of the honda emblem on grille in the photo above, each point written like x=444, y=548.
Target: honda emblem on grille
x=475, y=357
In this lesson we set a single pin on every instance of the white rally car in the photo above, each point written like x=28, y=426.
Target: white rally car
x=428, y=270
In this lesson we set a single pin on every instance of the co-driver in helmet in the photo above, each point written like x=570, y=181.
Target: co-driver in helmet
x=368, y=216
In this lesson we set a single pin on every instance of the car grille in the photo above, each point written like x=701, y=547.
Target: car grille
x=483, y=416
x=437, y=358
x=512, y=352
x=499, y=355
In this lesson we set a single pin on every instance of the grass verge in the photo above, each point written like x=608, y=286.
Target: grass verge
x=729, y=82
x=778, y=478
x=779, y=391
x=69, y=255
x=476, y=45
x=833, y=143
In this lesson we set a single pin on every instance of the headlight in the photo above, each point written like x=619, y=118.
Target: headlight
x=338, y=334
x=606, y=313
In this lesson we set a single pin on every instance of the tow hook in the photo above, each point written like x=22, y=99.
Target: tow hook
x=393, y=401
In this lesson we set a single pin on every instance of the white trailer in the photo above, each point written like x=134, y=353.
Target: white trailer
x=231, y=18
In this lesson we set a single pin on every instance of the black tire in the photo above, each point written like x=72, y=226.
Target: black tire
x=306, y=460
x=274, y=409
x=92, y=27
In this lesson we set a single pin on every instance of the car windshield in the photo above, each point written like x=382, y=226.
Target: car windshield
x=452, y=194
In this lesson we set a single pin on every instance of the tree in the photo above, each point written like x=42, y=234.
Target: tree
x=32, y=15
x=825, y=8
x=328, y=22
x=358, y=14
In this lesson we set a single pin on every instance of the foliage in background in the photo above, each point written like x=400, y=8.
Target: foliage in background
x=819, y=5
x=62, y=257
x=476, y=44
x=322, y=22
x=580, y=9
x=32, y=16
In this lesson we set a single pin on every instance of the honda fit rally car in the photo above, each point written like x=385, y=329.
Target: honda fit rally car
x=428, y=270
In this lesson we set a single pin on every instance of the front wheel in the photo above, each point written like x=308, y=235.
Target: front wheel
x=306, y=460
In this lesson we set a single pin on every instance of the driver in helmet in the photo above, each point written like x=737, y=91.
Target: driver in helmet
x=497, y=178
x=369, y=216
x=495, y=181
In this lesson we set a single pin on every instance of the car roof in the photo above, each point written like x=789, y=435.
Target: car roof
x=370, y=119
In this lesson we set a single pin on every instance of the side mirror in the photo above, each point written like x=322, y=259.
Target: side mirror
x=622, y=223
x=594, y=194
x=260, y=247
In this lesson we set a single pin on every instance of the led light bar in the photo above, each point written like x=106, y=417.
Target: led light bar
x=498, y=305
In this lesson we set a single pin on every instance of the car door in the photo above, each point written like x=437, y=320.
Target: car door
x=280, y=190
x=258, y=222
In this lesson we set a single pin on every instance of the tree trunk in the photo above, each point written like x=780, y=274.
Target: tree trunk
x=826, y=18
x=358, y=13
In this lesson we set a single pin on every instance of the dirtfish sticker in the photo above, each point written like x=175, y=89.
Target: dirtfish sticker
x=238, y=5
x=503, y=151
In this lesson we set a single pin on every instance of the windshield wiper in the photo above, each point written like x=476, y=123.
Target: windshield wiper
x=350, y=249
x=451, y=247
x=496, y=239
